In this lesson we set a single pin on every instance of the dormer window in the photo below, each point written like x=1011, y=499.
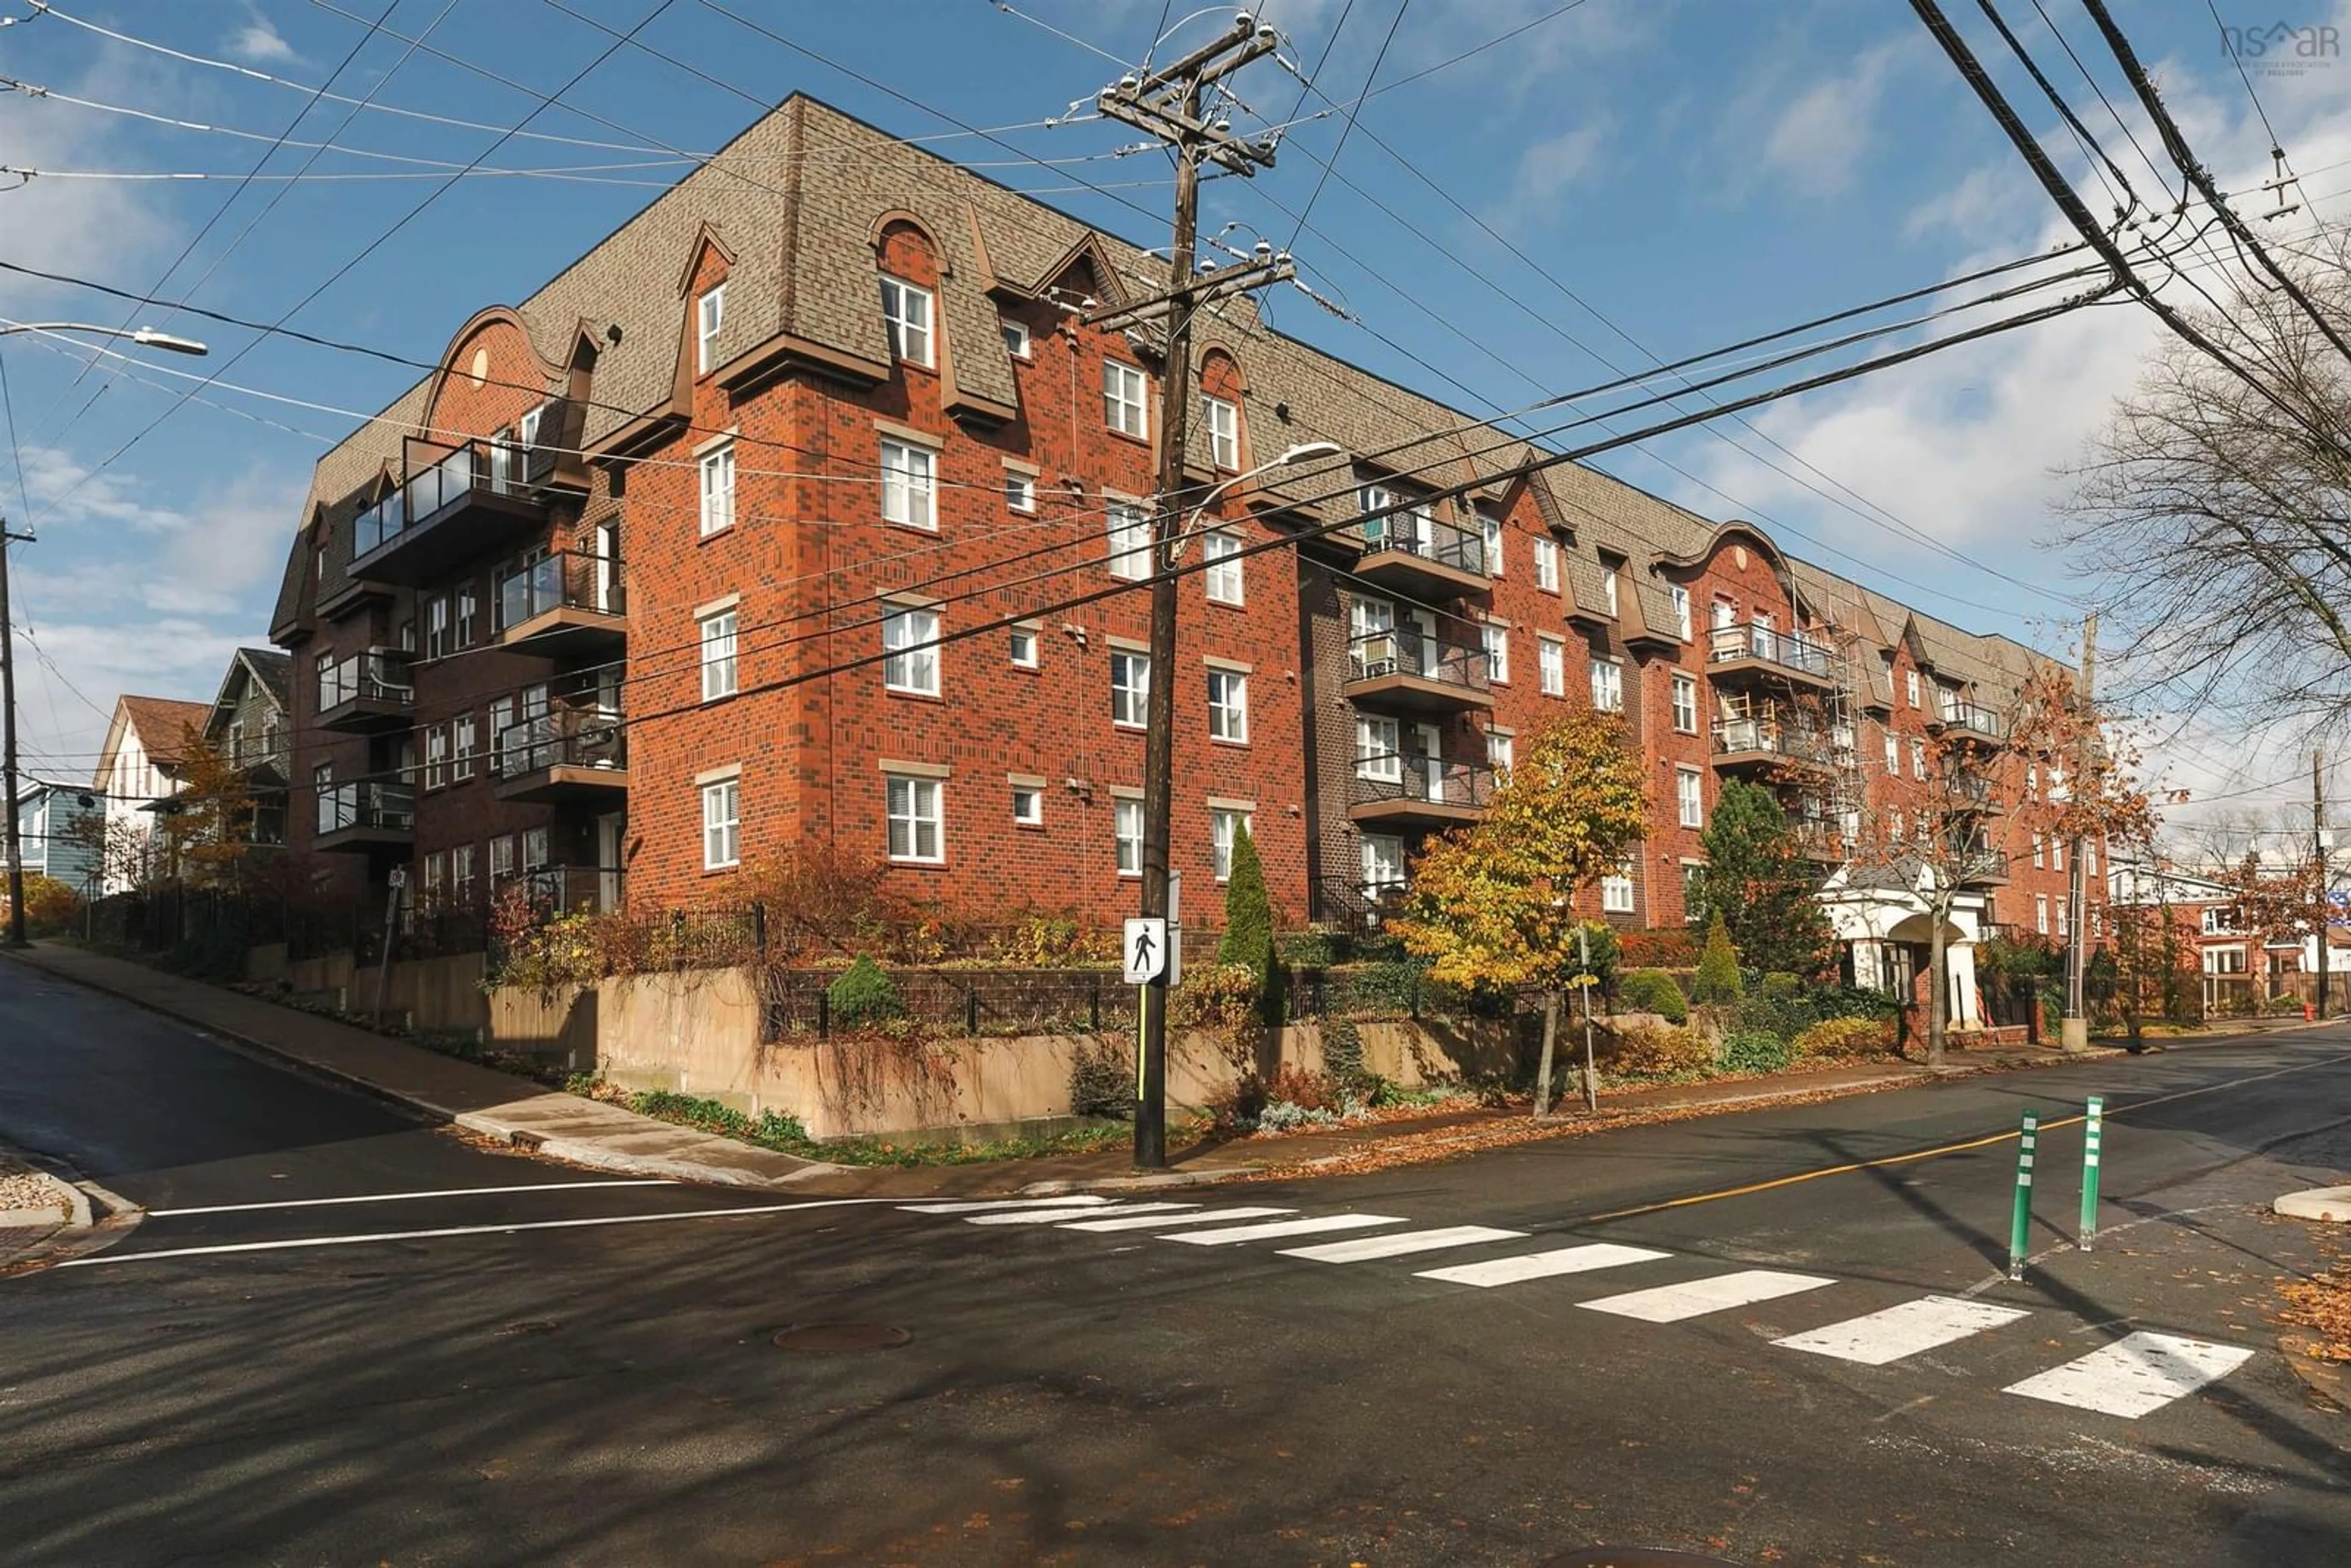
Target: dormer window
x=709, y=315
x=1016, y=337
x=907, y=310
x=1222, y=420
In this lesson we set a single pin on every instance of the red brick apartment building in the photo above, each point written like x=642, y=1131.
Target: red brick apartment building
x=670, y=569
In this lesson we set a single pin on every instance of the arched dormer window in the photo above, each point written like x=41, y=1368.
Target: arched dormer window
x=910, y=270
x=1220, y=412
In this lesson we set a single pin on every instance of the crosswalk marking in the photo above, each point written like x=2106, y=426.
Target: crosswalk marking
x=1074, y=1200
x=1904, y=1330
x=1160, y=1221
x=2137, y=1373
x=1272, y=1228
x=1363, y=1249
x=1694, y=1298
x=1055, y=1216
x=1542, y=1265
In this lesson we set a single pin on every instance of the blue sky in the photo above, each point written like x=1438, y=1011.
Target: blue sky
x=1682, y=173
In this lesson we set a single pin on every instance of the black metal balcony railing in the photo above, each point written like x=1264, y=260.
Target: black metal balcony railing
x=497, y=468
x=1354, y=904
x=571, y=888
x=1771, y=736
x=568, y=579
x=1387, y=776
x=1971, y=720
x=1978, y=864
x=1788, y=650
x=1413, y=534
x=564, y=737
x=1970, y=792
x=367, y=805
x=1423, y=655
x=378, y=676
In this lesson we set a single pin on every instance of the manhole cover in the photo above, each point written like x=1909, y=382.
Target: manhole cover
x=822, y=1338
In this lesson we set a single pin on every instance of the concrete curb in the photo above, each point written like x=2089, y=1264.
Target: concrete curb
x=2332, y=1204
x=94, y=1218
x=1153, y=1183
x=572, y=1151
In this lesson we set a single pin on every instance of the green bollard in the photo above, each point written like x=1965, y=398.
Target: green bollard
x=2020, y=1225
x=2090, y=1140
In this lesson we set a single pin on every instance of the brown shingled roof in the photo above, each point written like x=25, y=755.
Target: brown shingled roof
x=162, y=724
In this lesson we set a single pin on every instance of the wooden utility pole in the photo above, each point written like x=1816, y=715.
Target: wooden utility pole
x=15, y=838
x=1167, y=103
x=2075, y=1031
x=2318, y=867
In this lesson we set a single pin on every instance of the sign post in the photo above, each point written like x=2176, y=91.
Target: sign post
x=2019, y=1225
x=2092, y=1126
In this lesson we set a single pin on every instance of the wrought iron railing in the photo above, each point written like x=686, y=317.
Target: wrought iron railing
x=1389, y=775
x=583, y=736
x=1425, y=656
x=1770, y=735
x=1418, y=534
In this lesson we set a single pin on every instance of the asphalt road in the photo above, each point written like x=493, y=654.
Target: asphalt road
x=548, y=1373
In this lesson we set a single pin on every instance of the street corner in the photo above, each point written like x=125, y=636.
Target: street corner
x=47, y=1218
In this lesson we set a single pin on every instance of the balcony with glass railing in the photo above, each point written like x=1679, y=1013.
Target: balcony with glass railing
x=367, y=691
x=1407, y=669
x=569, y=755
x=569, y=888
x=479, y=499
x=1401, y=792
x=365, y=815
x=1413, y=554
x=1765, y=653
x=1965, y=720
x=569, y=602
x=1771, y=742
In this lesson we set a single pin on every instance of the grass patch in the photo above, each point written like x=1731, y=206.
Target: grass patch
x=784, y=1133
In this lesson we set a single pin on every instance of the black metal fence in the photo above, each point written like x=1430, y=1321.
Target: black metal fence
x=972, y=1002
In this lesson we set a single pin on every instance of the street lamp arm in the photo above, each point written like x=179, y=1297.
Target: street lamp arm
x=1305, y=451
x=145, y=337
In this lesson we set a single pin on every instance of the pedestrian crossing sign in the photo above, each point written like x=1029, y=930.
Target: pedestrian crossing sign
x=1143, y=950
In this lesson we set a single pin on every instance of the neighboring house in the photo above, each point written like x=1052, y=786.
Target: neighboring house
x=720, y=461
x=56, y=825
x=249, y=728
x=146, y=745
x=2236, y=958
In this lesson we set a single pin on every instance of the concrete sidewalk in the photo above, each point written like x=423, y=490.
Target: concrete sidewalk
x=479, y=1098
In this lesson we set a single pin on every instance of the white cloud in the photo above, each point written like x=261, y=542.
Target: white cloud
x=260, y=43
x=1548, y=168
x=1818, y=140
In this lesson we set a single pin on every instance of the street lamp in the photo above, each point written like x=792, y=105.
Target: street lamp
x=1159, y=794
x=146, y=337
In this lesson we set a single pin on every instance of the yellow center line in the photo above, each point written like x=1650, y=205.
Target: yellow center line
x=1915, y=1154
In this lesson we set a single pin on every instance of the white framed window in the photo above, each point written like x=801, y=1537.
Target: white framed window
x=1608, y=687
x=1690, y=870
x=909, y=486
x=1124, y=410
x=709, y=315
x=2039, y=852
x=1016, y=337
x=1681, y=599
x=718, y=656
x=1689, y=797
x=460, y=876
x=1546, y=552
x=2041, y=913
x=1608, y=589
x=1228, y=707
x=1130, y=689
x=2064, y=917
x=1024, y=648
x=907, y=310
x=1496, y=640
x=1028, y=806
x=1551, y=665
x=429, y=899
x=1019, y=492
x=436, y=627
x=910, y=637
x=2056, y=852
x=437, y=757
x=501, y=858
x=466, y=615
x=1379, y=748
x=463, y=744
x=1370, y=499
x=1501, y=751
x=2089, y=858
x=1383, y=864
x=502, y=718
x=534, y=848
x=1910, y=685
x=722, y=825
x=2032, y=782
x=1893, y=756
x=1222, y=420
x=1616, y=890
x=717, y=468
x=1685, y=694
x=1491, y=528
x=1918, y=757
x=1222, y=579
x=1126, y=831
x=1130, y=540
x=917, y=819
x=1224, y=825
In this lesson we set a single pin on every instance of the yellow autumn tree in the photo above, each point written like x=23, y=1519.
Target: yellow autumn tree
x=1492, y=904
